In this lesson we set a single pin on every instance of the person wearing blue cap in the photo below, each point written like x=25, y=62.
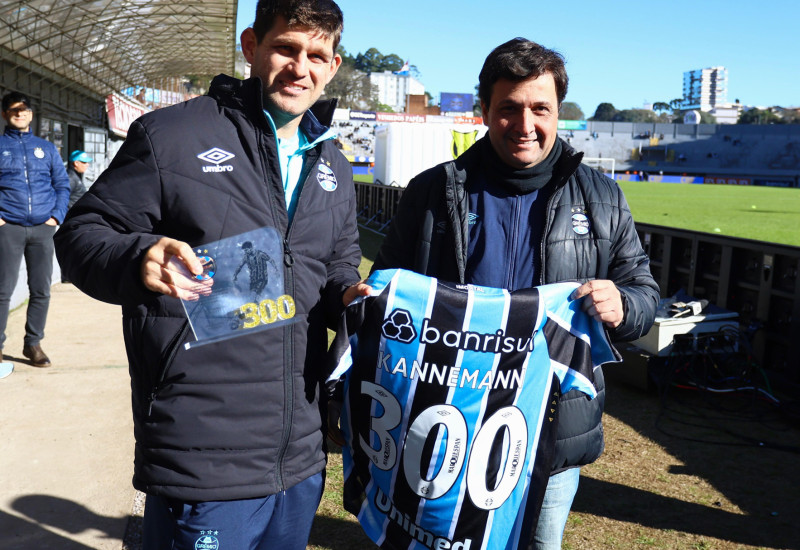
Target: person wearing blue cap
x=78, y=164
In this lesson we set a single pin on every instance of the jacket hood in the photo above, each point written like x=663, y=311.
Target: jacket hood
x=247, y=94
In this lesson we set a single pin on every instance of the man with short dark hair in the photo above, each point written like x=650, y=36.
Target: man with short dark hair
x=78, y=164
x=34, y=191
x=517, y=210
x=229, y=437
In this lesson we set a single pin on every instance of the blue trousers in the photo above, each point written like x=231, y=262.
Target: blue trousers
x=558, y=497
x=35, y=244
x=281, y=521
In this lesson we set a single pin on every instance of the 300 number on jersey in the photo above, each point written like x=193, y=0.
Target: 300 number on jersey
x=453, y=438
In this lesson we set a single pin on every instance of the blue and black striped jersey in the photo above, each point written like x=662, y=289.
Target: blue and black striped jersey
x=450, y=406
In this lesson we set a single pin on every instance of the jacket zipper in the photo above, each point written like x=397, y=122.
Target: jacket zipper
x=173, y=350
x=27, y=179
x=288, y=332
x=513, y=243
x=288, y=363
x=288, y=335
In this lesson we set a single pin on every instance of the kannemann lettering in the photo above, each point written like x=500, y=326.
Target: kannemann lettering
x=451, y=376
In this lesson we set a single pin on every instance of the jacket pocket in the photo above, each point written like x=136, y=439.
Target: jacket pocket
x=170, y=350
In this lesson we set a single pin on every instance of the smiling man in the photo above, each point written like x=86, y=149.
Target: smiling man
x=518, y=210
x=229, y=436
x=34, y=191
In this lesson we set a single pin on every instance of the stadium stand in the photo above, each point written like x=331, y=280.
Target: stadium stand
x=765, y=154
x=751, y=154
x=356, y=137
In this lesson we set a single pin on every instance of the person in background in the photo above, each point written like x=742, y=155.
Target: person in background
x=78, y=164
x=517, y=210
x=34, y=192
x=229, y=436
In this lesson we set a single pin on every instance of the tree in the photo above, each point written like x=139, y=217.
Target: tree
x=391, y=62
x=199, y=84
x=635, y=115
x=571, y=111
x=665, y=118
x=758, y=116
x=676, y=104
x=604, y=112
x=661, y=107
x=476, y=107
x=707, y=118
x=373, y=61
x=790, y=116
x=347, y=59
x=353, y=88
x=369, y=61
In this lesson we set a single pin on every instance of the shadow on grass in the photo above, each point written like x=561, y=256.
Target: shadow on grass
x=644, y=508
x=370, y=242
x=338, y=534
x=732, y=449
x=754, y=211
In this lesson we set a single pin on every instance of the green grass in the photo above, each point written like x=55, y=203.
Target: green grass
x=370, y=243
x=769, y=214
x=363, y=178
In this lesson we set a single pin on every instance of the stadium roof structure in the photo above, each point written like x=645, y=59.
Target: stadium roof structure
x=110, y=45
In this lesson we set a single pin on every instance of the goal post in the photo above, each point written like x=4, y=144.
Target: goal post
x=605, y=165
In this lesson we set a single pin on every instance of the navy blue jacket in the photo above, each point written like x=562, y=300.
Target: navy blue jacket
x=587, y=233
x=239, y=418
x=34, y=185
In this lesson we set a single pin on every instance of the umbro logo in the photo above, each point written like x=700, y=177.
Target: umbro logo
x=216, y=156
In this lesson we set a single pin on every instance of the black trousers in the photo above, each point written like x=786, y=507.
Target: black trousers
x=35, y=244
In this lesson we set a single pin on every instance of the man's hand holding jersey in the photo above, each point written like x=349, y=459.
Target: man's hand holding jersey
x=602, y=300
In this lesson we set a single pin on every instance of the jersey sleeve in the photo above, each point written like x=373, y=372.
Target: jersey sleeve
x=577, y=343
x=345, y=342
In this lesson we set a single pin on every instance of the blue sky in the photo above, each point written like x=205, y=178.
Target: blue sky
x=625, y=53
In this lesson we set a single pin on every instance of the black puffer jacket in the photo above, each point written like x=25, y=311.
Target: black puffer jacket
x=430, y=234
x=239, y=418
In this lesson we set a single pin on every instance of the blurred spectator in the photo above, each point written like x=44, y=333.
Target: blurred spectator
x=78, y=164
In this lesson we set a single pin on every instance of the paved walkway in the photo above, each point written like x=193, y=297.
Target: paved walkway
x=66, y=434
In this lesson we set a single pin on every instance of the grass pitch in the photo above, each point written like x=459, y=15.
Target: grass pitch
x=769, y=214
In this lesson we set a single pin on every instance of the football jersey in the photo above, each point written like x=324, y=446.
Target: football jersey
x=450, y=406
